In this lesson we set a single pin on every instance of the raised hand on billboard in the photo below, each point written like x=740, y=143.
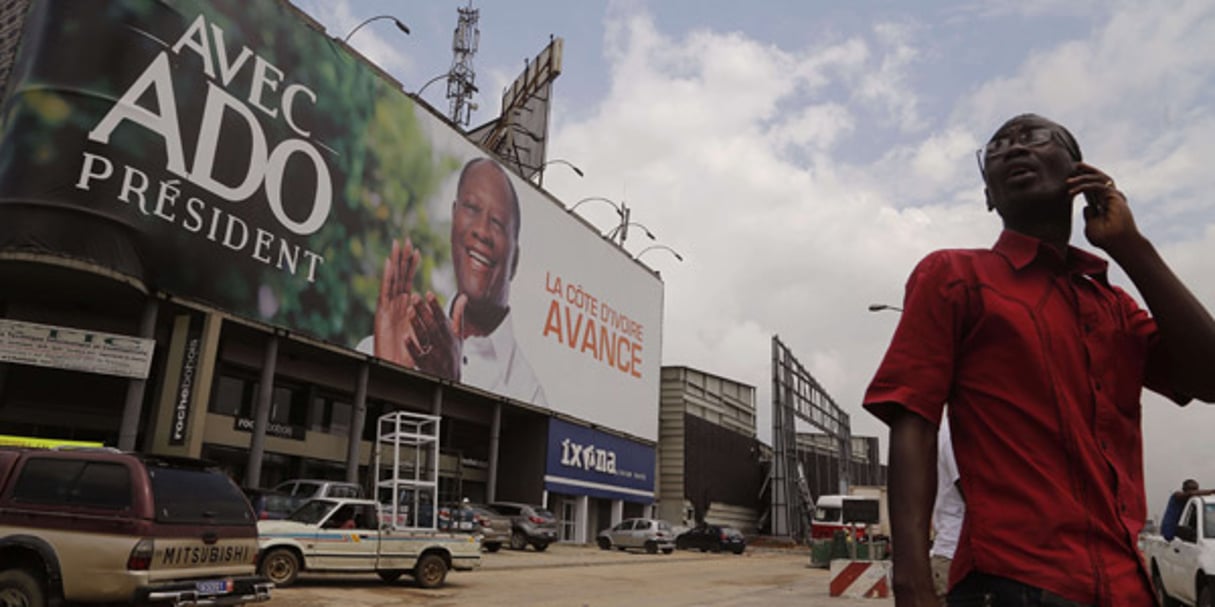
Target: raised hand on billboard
x=393, y=310
x=437, y=342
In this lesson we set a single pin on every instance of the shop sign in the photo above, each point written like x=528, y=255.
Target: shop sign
x=29, y=343
x=288, y=431
x=586, y=461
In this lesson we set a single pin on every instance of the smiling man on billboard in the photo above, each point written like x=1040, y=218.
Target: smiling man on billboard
x=476, y=344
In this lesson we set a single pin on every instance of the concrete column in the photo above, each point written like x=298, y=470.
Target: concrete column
x=436, y=405
x=617, y=511
x=357, y=419
x=132, y=409
x=261, y=417
x=582, y=517
x=495, y=434
x=647, y=511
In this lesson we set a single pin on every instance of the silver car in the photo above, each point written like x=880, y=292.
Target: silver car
x=529, y=525
x=648, y=534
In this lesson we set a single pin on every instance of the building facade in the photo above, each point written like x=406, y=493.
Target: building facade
x=202, y=208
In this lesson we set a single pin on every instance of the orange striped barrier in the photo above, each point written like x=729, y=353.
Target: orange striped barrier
x=860, y=579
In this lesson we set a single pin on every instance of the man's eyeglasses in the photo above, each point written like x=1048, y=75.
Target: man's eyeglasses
x=999, y=146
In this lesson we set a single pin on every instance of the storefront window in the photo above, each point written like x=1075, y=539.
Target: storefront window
x=233, y=396
x=330, y=414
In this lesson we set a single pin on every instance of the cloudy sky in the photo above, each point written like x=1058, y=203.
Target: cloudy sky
x=802, y=156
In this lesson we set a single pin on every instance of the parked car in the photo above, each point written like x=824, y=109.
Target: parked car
x=458, y=517
x=101, y=525
x=712, y=538
x=646, y=534
x=1181, y=568
x=319, y=487
x=345, y=535
x=529, y=525
x=271, y=505
x=495, y=528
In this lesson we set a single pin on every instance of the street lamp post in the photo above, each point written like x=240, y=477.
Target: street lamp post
x=658, y=246
x=400, y=26
x=540, y=169
x=620, y=229
x=880, y=307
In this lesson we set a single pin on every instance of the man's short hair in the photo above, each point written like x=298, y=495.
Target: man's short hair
x=510, y=188
x=1189, y=485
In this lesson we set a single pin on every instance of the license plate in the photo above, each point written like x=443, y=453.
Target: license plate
x=466, y=525
x=213, y=586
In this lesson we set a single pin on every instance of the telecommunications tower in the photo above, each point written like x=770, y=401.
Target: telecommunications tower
x=461, y=77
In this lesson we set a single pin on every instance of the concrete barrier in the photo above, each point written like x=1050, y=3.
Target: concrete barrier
x=860, y=579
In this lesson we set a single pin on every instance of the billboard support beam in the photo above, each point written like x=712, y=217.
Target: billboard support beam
x=797, y=395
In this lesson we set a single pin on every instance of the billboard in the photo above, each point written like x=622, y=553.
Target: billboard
x=230, y=153
x=585, y=461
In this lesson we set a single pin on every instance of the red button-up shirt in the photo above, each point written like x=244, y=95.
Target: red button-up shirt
x=1042, y=363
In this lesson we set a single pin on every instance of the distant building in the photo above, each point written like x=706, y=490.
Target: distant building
x=708, y=455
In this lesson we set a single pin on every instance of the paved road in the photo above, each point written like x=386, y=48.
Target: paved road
x=583, y=576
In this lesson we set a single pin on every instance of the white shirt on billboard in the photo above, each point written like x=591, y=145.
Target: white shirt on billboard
x=494, y=363
x=950, y=508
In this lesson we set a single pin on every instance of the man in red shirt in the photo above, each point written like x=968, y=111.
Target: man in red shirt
x=1042, y=362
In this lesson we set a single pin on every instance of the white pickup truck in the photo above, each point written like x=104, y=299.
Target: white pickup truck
x=346, y=535
x=1183, y=569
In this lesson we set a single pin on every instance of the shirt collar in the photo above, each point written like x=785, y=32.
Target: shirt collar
x=499, y=341
x=1020, y=250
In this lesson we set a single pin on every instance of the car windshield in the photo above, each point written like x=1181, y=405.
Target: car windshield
x=281, y=503
x=824, y=514
x=312, y=512
x=197, y=496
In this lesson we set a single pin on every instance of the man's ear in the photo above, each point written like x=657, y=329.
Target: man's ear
x=514, y=263
x=987, y=194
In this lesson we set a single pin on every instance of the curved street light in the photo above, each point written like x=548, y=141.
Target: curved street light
x=400, y=26
x=880, y=307
x=566, y=163
x=619, y=208
x=446, y=74
x=658, y=246
x=616, y=230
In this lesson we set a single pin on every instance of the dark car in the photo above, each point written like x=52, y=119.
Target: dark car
x=712, y=538
x=458, y=517
x=271, y=505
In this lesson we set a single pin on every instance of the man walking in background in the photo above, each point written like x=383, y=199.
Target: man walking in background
x=947, y=513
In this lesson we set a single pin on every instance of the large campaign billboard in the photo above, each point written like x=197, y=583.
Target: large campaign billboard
x=228, y=152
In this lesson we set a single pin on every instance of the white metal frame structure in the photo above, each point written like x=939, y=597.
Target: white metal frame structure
x=407, y=459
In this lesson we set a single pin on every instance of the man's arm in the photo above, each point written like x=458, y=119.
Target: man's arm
x=1187, y=331
x=913, y=482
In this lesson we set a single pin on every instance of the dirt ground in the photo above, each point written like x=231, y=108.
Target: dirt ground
x=584, y=576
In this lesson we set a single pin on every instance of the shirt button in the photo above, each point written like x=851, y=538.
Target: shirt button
x=1104, y=445
x=1098, y=386
x=1088, y=328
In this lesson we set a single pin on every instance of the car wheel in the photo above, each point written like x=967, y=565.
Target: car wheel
x=492, y=547
x=668, y=550
x=1204, y=597
x=431, y=571
x=1162, y=597
x=518, y=541
x=22, y=587
x=390, y=576
x=703, y=549
x=281, y=566
x=739, y=550
x=651, y=547
x=540, y=546
x=604, y=543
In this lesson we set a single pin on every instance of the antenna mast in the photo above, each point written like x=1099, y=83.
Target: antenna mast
x=461, y=76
